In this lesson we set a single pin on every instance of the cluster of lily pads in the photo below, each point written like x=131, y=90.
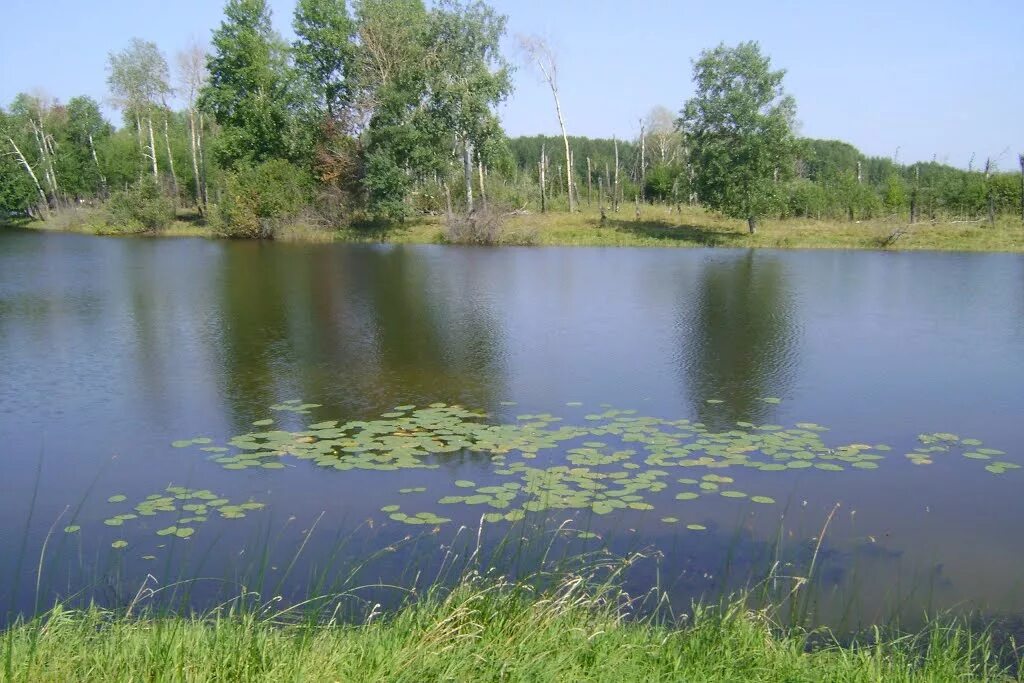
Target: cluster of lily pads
x=189, y=507
x=610, y=462
x=944, y=442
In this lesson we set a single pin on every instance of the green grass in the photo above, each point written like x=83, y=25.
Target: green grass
x=657, y=226
x=483, y=630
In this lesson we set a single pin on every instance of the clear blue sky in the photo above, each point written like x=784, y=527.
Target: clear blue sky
x=934, y=78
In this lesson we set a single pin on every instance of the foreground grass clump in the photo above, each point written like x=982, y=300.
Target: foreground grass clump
x=483, y=630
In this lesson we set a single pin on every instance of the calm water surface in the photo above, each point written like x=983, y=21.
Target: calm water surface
x=114, y=348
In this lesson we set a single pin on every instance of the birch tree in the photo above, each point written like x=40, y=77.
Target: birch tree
x=192, y=76
x=138, y=82
x=542, y=57
x=466, y=77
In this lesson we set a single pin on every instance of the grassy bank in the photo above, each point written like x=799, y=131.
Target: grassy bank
x=483, y=630
x=657, y=226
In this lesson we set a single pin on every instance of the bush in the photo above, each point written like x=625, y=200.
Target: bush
x=139, y=208
x=259, y=200
x=483, y=227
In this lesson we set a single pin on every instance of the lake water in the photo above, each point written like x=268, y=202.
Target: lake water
x=114, y=349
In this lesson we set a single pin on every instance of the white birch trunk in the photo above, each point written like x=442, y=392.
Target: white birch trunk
x=95, y=159
x=170, y=157
x=467, y=168
x=152, y=148
x=31, y=173
x=195, y=155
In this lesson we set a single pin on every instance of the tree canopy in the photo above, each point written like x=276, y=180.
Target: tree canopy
x=740, y=127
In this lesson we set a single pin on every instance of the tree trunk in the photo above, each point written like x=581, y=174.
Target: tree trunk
x=447, y=198
x=752, y=224
x=615, y=189
x=195, y=156
x=589, y=183
x=988, y=193
x=543, y=197
x=103, y=178
x=31, y=173
x=170, y=157
x=202, y=162
x=483, y=189
x=152, y=148
x=643, y=160
x=1020, y=158
x=467, y=168
x=565, y=139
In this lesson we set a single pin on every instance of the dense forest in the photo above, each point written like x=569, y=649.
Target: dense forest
x=386, y=109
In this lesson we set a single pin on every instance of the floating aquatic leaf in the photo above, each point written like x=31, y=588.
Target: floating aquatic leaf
x=464, y=484
x=263, y=423
x=696, y=527
x=733, y=494
x=72, y=529
x=764, y=500
x=687, y=495
x=119, y=544
x=390, y=508
x=714, y=401
x=669, y=520
x=772, y=400
x=117, y=499
x=184, y=532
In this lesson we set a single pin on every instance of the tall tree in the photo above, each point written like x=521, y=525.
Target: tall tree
x=325, y=53
x=86, y=128
x=192, y=76
x=138, y=82
x=249, y=91
x=740, y=124
x=662, y=136
x=467, y=77
x=542, y=57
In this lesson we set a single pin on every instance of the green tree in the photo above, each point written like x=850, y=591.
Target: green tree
x=86, y=128
x=138, y=82
x=740, y=127
x=325, y=54
x=249, y=91
x=467, y=78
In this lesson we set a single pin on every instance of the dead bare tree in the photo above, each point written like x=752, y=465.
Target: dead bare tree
x=615, y=190
x=988, y=192
x=1020, y=158
x=540, y=54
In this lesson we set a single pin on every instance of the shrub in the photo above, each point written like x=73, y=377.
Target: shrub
x=259, y=200
x=139, y=208
x=484, y=227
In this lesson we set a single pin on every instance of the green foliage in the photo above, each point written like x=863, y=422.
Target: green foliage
x=661, y=182
x=258, y=199
x=740, y=125
x=140, y=207
x=325, y=54
x=249, y=91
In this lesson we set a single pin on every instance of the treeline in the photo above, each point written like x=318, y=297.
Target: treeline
x=386, y=109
